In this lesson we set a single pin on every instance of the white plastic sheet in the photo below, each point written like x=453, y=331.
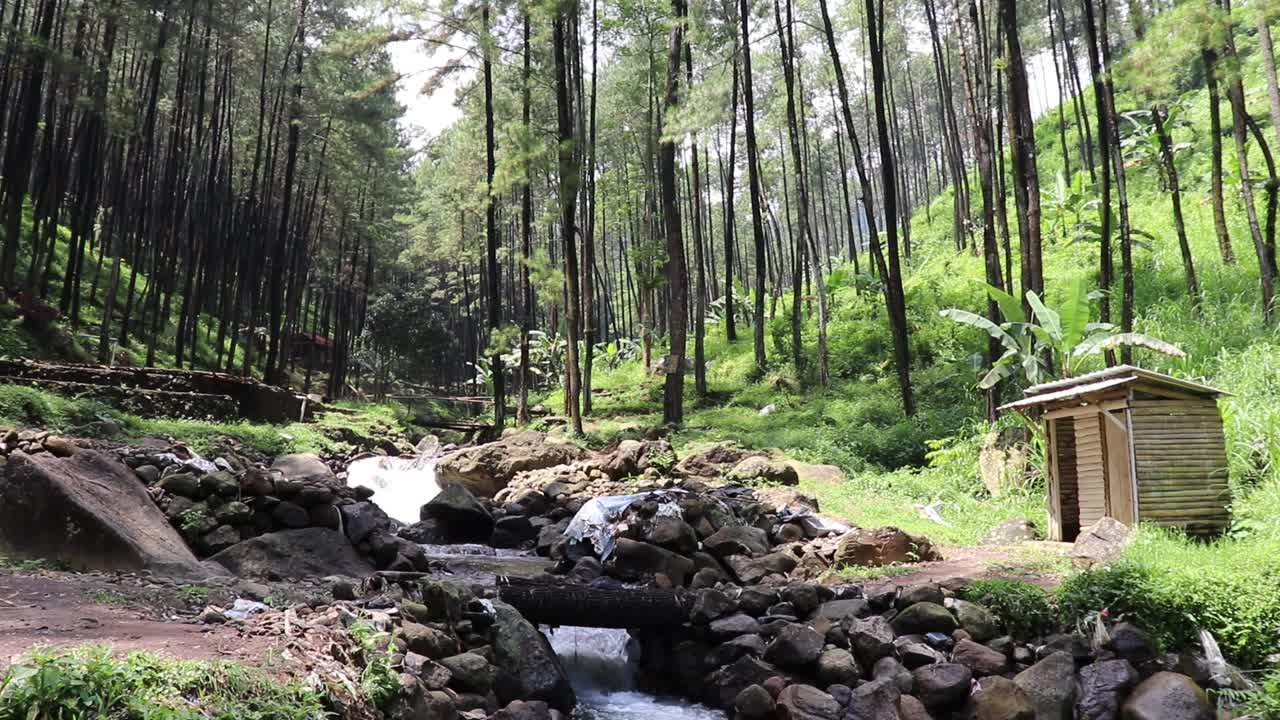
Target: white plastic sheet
x=599, y=520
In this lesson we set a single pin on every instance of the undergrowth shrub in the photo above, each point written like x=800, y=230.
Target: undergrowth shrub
x=1026, y=609
x=31, y=407
x=92, y=684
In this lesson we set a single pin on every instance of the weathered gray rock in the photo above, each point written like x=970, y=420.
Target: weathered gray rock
x=1168, y=696
x=88, y=512
x=838, y=667
x=304, y=468
x=760, y=469
x=737, y=540
x=796, y=646
x=361, y=519
x=310, y=552
x=805, y=702
x=673, y=534
x=632, y=559
x=875, y=700
x=751, y=570
x=184, y=484
x=1051, y=686
x=734, y=625
x=942, y=686
x=871, y=639
x=888, y=668
x=528, y=667
x=881, y=546
x=1102, y=685
x=711, y=604
x=999, y=698
x=1011, y=532
x=724, y=684
x=428, y=641
x=925, y=592
x=981, y=624
x=458, y=515
x=1100, y=543
x=486, y=469
x=980, y=659
x=754, y=703
x=837, y=611
x=291, y=515
x=924, y=617
x=1132, y=643
x=470, y=672
x=730, y=650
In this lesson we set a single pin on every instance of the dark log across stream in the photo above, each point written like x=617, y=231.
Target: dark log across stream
x=599, y=607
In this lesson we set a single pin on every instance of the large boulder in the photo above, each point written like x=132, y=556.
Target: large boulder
x=805, y=702
x=528, y=668
x=1100, y=543
x=724, y=684
x=304, y=468
x=88, y=512
x=713, y=461
x=632, y=559
x=882, y=546
x=457, y=515
x=796, y=646
x=980, y=659
x=309, y=552
x=942, y=686
x=1168, y=696
x=924, y=617
x=999, y=698
x=1051, y=686
x=760, y=469
x=633, y=457
x=1102, y=685
x=486, y=469
x=737, y=540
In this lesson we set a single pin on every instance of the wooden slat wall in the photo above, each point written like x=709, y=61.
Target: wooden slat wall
x=1064, y=432
x=1181, y=457
x=1090, y=475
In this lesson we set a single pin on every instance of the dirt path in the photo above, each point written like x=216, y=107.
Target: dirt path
x=53, y=609
x=1035, y=562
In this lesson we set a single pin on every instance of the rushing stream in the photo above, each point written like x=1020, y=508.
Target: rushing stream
x=604, y=679
x=596, y=659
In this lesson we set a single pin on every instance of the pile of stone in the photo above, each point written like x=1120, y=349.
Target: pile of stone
x=34, y=442
x=240, y=514
x=809, y=652
x=459, y=654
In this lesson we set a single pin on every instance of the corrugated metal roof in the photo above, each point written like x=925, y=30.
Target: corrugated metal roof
x=1069, y=393
x=1134, y=373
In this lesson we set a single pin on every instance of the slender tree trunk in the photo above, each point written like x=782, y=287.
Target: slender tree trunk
x=753, y=174
x=569, y=178
x=1218, y=193
x=677, y=282
x=1158, y=118
x=526, y=230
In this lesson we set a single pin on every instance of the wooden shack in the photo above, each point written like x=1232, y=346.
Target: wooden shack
x=1135, y=445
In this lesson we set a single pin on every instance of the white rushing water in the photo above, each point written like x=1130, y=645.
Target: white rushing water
x=599, y=666
x=401, y=486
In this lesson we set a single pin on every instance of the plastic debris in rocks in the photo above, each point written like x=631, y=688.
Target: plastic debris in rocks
x=244, y=608
x=183, y=459
x=600, y=519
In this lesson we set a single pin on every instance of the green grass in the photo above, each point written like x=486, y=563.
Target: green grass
x=109, y=597
x=93, y=683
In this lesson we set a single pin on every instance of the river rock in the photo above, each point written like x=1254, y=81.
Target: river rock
x=980, y=659
x=1168, y=696
x=1011, y=532
x=184, y=484
x=291, y=515
x=999, y=698
x=1132, y=643
x=795, y=646
x=361, y=519
x=760, y=469
x=734, y=625
x=926, y=592
x=513, y=531
x=752, y=570
x=838, y=667
x=711, y=604
x=1051, y=686
x=724, y=684
x=712, y=462
x=881, y=546
x=304, y=468
x=1102, y=685
x=470, y=672
x=632, y=559
x=889, y=668
x=486, y=469
x=528, y=667
x=924, y=617
x=1100, y=543
x=874, y=700
x=754, y=703
x=737, y=540
x=428, y=641
x=672, y=533
x=310, y=552
x=805, y=702
x=981, y=624
x=458, y=515
x=871, y=639
x=116, y=525
x=942, y=686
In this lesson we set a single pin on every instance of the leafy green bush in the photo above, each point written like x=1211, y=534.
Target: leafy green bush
x=31, y=407
x=93, y=684
x=378, y=680
x=1261, y=703
x=1026, y=609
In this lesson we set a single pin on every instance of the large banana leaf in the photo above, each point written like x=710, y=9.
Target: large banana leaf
x=1075, y=315
x=1047, y=319
x=1010, y=307
x=967, y=318
x=1102, y=342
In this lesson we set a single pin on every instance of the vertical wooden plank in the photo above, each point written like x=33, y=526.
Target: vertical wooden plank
x=1119, y=476
x=1055, y=482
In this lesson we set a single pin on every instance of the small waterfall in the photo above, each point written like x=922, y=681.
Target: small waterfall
x=401, y=485
x=599, y=664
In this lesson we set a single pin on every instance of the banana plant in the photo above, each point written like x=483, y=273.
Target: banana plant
x=1050, y=338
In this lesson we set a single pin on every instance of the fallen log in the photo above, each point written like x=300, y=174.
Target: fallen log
x=589, y=606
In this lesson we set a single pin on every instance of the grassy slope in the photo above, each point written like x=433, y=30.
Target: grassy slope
x=1231, y=586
